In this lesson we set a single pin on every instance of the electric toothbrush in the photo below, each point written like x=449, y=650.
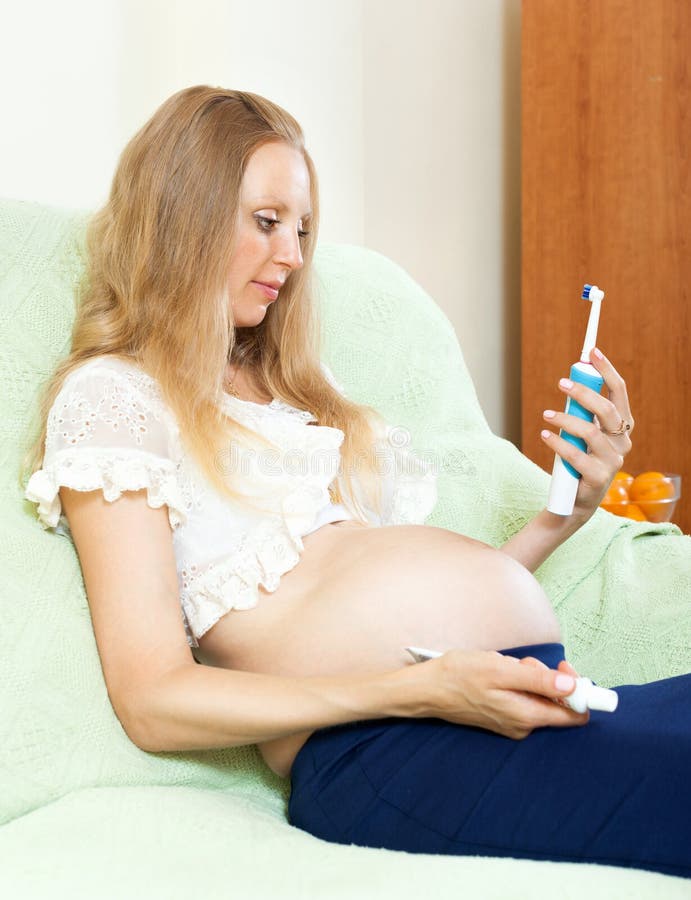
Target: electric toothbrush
x=564, y=485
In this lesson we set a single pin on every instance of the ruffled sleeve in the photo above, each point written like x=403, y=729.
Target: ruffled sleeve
x=105, y=433
x=408, y=482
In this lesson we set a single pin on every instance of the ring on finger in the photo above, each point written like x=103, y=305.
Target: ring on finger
x=623, y=428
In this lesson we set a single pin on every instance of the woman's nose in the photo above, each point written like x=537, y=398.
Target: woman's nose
x=289, y=251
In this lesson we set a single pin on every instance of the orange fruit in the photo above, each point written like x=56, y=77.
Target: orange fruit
x=633, y=511
x=624, y=478
x=647, y=489
x=616, y=499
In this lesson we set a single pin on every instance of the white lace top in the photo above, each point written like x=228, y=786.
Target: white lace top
x=110, y=430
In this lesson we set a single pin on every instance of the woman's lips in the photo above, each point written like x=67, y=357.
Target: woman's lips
x=269, y=292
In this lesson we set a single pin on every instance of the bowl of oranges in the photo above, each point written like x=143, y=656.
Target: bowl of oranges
x=648, y=497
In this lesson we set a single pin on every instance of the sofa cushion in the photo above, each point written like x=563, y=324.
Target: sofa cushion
x=167, y=843
x=622, y=590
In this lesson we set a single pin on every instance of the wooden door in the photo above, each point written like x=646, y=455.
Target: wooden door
x=606, y=200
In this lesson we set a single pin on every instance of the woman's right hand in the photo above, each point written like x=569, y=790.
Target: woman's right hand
x=503, y=694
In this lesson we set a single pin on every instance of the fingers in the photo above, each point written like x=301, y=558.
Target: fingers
x=537, y=678
x=490, y=690
x=536, y=697
x=615, y=384
x=608, y=416
x=564, y=666
x=558, y=715
x=597, y=466
x=609, y=411
x=605, y=409
x=590, y=432
x=532, y=661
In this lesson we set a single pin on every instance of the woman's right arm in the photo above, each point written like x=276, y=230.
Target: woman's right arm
x=162, y=697
x=166, y=701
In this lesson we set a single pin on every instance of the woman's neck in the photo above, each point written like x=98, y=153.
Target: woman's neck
x=240, y=382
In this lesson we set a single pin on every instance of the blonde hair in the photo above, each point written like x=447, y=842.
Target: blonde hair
x=155, y=288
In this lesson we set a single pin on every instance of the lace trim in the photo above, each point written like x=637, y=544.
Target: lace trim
x=88, y=469
x=271, y=550
x=258, y=411
x=260, y=560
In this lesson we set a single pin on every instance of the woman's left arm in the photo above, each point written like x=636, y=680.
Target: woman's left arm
x=608, y=441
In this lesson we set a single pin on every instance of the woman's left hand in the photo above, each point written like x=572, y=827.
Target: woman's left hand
x=608, y=437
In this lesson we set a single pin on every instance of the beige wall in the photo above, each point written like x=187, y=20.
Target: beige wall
x=60, y=82
x=411, y=112
x=305, y=55
x=442, y=172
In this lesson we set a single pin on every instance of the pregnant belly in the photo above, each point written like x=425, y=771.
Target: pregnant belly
x=359, y=595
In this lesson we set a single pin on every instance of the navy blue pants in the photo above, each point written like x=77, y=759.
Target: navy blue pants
x=616, y=791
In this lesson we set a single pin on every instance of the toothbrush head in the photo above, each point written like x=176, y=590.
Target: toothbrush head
x=592, y=292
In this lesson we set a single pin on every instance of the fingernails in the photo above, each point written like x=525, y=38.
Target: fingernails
x=566, y=383
x=549, y=414
x=546, y=434
x=564, y=682
x=598, y=354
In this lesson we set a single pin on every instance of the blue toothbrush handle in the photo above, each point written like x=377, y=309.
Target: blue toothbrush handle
x=574, y=408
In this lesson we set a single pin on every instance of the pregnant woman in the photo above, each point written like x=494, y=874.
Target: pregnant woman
x=270, y=529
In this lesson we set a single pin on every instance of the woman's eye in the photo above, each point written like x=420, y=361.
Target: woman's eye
x=265, y=223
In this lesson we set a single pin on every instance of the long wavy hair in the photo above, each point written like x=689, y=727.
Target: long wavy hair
x=155, y=287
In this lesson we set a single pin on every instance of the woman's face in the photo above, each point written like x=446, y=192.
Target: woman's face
x=274, y=212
